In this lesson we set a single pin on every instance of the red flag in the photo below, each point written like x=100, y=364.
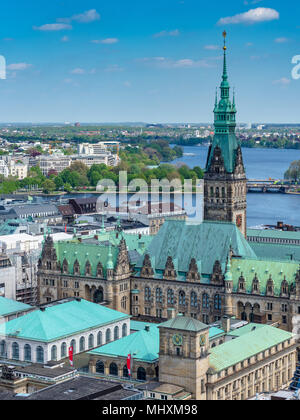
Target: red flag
x=66, y=228
x=129, y=364
x=71, y=355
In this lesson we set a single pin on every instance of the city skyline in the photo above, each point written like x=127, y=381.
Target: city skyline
x=91, y=62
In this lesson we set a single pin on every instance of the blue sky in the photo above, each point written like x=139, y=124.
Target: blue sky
x=142, y=60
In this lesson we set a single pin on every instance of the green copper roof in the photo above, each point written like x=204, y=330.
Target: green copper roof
x=214, y=332
x=206, y=242
x=274, y=234
x=142, y=345
x=184, y=323
x=97, y=250
x=276, y=251
x=9, y=306
x=60, y=320
x=225, y=124
x=247, y=345
x=244, y=330
x=84, y=252
x=278, y=270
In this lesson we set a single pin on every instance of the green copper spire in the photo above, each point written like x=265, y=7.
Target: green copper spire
x=225, y=122
x=110, y=264
x=228, y=275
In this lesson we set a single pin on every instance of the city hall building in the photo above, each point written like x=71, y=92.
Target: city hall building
x=202, y=270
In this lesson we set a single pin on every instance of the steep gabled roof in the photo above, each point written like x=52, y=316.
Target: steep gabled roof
x=206, y=242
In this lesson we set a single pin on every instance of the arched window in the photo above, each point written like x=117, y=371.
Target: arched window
x=3, y=352
x=147, y=294
x=170, y=296
x=100, y=367
x=141, y=374
x=82, y=344
x=116, y=333
x=27, y=353
x=217, y=302
x=76, y=267
x=284, y=287
x=99, y=270
x=73, y=344
x=88, y=269
x=113, y=369
x=205, y=301
x=194, y=299
x=91, y=341
x=158, y=295
x=181, y=297
x=125, y=372
x=108, y=335
x=98, y=295
x=40, y=354
x=124, y=330
x=65, y=266
x=53, y=353
x=63, y=350
x=99, y=338
x=15, y=351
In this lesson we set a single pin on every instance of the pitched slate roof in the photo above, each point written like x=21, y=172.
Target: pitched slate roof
x=142, y=345
x=9, y=306
x=206, y=242
x=247, y=345
x=263, y=268
x=60, y=320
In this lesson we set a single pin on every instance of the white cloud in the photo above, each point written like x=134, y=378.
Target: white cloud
x=19, y=66
x=212, y=47
x=283, y=81
x=163, y=62
x=261, y=14
x=167, y=33
x=78, y=70
x=53, y=27
x=106, y=41
x=113, y=68
x=85, y=17
x=281, y=40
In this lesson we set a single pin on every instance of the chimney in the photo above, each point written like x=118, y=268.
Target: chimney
x=226, y=324
x=171, y=313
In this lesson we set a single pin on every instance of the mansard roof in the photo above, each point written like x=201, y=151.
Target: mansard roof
x=263, y=268
x=206, y=242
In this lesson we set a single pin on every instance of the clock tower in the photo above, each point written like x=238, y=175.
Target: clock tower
x=225, y=183
x=183, y=354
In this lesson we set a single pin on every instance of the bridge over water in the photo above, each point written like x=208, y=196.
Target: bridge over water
x=271, y=186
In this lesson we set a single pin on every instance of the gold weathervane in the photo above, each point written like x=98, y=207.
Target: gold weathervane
x=224, y=35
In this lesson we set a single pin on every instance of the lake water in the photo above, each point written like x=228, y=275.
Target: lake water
x=262, y=209
x=260, y=164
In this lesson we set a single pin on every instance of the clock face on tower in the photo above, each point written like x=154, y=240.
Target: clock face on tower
x=239, y=220
x=177, y=339
x=202, y=340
